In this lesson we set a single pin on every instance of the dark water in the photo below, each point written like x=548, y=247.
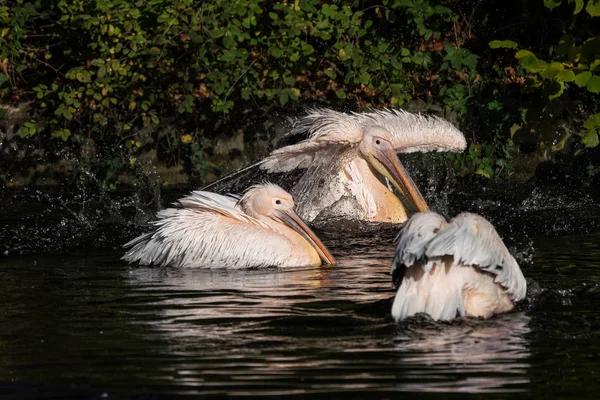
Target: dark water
x=89, y=326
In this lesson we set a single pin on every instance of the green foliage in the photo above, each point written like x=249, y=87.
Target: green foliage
x=568, y=67
x=167, y=75
x=116, y=69
x=503, y=44
x=491, y=160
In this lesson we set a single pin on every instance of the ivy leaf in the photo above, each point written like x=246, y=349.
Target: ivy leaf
x=593, y=8
x=503, y=44
x=593, y=84
x=582, y=78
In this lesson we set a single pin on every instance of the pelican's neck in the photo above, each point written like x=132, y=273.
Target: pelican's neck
x=303, y=253
x=380, y=204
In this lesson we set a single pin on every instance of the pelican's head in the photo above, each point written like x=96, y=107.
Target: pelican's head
x=270, y=201
x=377, y=149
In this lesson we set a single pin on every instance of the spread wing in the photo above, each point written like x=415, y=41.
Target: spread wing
x=408, y=132
x=415, y=132
x=208, y=231
x=324, y=134
x=413, y=239
x=472, y=240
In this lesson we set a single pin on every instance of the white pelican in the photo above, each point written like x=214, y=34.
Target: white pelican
x=339, y=170
x=461, y=268
x=209, y=230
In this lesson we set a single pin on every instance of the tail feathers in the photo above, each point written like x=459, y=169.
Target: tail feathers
x=138, y=250
x=433, y=292
x=408, y=301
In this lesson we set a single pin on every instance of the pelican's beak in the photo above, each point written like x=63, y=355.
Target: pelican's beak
x=290, y=218
x=389, y=165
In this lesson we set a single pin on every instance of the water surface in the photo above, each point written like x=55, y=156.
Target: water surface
x=85, y=325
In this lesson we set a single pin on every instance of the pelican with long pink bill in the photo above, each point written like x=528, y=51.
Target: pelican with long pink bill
x=209, y=230
x=455, y=269
x=346, y=166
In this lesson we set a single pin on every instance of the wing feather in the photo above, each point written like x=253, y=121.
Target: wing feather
x=472, y=240
x=415, y=132
x=408, y=132
x=209, y=232
x=415, y=236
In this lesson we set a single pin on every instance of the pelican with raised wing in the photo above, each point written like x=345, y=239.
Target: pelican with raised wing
x=209, y=230
x=346, y=166
x=461, y=268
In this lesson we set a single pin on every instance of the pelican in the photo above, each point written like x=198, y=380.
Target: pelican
x=461, y=268
x=343, y=167
x=208, y=230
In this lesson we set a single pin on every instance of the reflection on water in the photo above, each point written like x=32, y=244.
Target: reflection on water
x=93, y=327
x=491, y=355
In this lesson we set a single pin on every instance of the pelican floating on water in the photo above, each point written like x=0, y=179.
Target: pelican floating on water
x=461, y=268
x=209, y=230
x=342, y=167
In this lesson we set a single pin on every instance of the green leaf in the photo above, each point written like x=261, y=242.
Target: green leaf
x=593, y=8
x=283, y=98
x=594, y=65
x=523, y=53
x=552, y=70
x=592, y=122
x=566, y=76
x=582, y=78
x=531, y=63
x=341, y=94
x=228, y=41
x=483, y=173
x=63, y=134
x=503, y=44
x=593, y=84
x=565, y=44
x=289, y=80
x=578, y=6
x=552, y=3
x=294, y=94
x=330, y=73
x=560, y=87
x=590, y=139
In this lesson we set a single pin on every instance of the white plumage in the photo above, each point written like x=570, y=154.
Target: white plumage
x=461, y=268
x=345, y=154
x=209, y=230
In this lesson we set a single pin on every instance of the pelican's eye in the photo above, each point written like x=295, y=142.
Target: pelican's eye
x=378, y=141
x=277, y=201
